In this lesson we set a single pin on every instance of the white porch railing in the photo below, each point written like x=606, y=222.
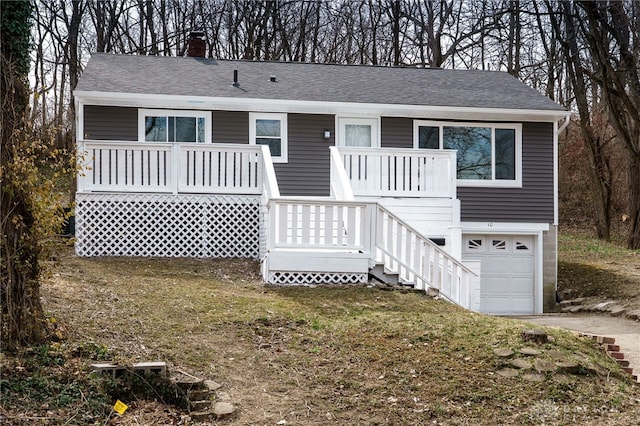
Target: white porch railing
x=400, y=172
x=320, y=225
x=114, y=166
x=351, y=228
x=419, y=261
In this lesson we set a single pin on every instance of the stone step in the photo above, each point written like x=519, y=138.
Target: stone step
x=571, y=302
x=223, y=409
x=617, y=310
x=201, y=416
x=379, y=273
x=198, y=394
x=201, y=405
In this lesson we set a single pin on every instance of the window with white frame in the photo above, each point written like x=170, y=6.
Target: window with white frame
x=358, y=132
x=160, y=125
x=488, y=154
x=271, y=130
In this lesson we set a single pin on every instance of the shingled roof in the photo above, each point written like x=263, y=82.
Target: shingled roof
x=309, y=82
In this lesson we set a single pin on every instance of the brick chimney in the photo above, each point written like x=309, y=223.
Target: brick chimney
x=197, y=44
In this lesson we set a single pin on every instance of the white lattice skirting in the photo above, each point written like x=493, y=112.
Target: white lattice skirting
x=165, y=225
x=301, y=278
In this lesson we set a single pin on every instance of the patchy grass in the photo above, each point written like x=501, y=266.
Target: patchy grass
x=593, y=268
x=325, y=355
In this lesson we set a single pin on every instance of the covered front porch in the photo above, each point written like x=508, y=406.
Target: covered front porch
x=389, y=210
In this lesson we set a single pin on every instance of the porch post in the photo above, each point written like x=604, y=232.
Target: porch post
x=175, y=167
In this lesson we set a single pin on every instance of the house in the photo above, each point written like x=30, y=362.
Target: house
x=441, y=179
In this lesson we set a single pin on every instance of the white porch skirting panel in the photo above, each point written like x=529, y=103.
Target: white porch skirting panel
x=301, y=278
x=167, y=225
x=299, y=267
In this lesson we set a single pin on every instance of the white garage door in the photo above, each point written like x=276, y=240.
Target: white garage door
x=507, y=279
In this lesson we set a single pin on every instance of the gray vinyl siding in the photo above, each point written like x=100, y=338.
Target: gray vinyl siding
x=230, y=127
x=531, y=203
x=110, y=123
x=307, y=171
x=396, y=132
x=121, y=123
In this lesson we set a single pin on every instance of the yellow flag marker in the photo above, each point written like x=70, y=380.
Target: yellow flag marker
x=120, y=407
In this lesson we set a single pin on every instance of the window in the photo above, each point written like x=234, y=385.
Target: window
x=499, y=245
x=474, y=244
x=159, y=125
x=270, y=130
x=487, y=154
x=358, y=132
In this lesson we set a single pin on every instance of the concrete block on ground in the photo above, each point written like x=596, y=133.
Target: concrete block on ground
x=158, y=368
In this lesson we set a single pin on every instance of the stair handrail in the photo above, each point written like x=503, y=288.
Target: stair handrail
x=438, y=253
x=270, y=182
x=340, y=183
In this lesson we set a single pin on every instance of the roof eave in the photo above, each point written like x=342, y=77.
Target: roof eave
x=317, y=107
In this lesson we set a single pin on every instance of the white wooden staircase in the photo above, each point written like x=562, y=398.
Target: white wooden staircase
x=384, y=230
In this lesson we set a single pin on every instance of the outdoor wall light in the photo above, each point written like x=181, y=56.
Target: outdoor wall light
x=327, y=134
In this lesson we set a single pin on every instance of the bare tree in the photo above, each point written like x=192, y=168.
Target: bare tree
x=612, y=33
x=586, y=97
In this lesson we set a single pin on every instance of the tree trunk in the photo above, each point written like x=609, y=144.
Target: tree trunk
x=619, y=78
x=633, y=240
x=585, y=99
x=22, y=320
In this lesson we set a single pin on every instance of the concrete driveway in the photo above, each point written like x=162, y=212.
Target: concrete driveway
x=625, y=331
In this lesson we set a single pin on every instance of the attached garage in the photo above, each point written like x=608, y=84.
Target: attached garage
x=508, y=279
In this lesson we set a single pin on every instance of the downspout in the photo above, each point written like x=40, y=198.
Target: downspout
x=556, y=214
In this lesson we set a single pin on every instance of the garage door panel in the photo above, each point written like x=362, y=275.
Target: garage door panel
x=494, y=305
x=509, y=264
x=495, y=286
x=523, y=265
x=521, y=286
x=521, y=305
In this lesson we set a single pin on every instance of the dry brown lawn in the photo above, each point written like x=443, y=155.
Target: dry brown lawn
x=310, y=356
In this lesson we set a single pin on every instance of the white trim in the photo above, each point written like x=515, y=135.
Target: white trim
x=567, y=120
x=284, y=140
x=503, y=228
x=143, y=112
x=539, y=277
x=315, y=107
x=374, y=122
x=79, y=107
x=493, y=183
x=556, y=214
